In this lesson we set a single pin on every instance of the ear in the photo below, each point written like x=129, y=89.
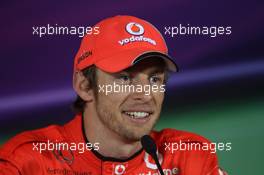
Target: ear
x=82, y=87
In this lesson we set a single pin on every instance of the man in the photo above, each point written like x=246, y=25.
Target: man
x=119, y=77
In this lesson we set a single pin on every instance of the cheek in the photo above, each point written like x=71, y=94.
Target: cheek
x=111, y=100
x=158, y=98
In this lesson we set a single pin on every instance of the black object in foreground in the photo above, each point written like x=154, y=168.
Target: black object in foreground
x=150, y=147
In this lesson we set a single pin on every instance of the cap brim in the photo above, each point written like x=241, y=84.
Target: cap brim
x=171, y=65
x=129, y=58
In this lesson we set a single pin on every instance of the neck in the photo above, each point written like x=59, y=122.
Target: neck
x=110, y=143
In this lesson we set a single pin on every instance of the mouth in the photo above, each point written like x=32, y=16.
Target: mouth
x=138, y=116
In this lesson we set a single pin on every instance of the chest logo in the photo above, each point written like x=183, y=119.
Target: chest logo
x=119, y=169
x=152, y=164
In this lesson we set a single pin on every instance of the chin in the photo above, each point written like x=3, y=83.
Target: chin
x=136, y=134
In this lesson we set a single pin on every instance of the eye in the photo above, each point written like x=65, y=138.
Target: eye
x=155, y=79
x=124, y=78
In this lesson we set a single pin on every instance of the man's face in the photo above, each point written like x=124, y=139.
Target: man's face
x=131, y=113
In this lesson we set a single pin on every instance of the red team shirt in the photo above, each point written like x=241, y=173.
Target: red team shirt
x=21, y=155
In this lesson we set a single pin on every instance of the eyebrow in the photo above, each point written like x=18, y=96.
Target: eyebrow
x=158, y=70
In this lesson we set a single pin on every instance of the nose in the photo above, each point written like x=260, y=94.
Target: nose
x=142, y=90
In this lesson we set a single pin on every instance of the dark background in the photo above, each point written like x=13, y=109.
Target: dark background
x=218, y=92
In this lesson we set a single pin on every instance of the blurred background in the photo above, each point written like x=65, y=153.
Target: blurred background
x=218, y=93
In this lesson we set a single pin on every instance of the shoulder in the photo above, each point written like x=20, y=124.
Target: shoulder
x=22, y=151
x=23, y=143
x=190, y=150
x=172, y=141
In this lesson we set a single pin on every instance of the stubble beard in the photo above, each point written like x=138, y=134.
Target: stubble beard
x=130, y=133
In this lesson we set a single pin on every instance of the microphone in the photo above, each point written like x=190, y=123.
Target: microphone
x=150, y=147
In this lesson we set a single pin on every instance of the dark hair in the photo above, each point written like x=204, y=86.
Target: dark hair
x=90, y=74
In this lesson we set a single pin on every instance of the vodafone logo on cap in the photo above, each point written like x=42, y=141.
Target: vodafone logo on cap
x=134, y=28
x=137, y=31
